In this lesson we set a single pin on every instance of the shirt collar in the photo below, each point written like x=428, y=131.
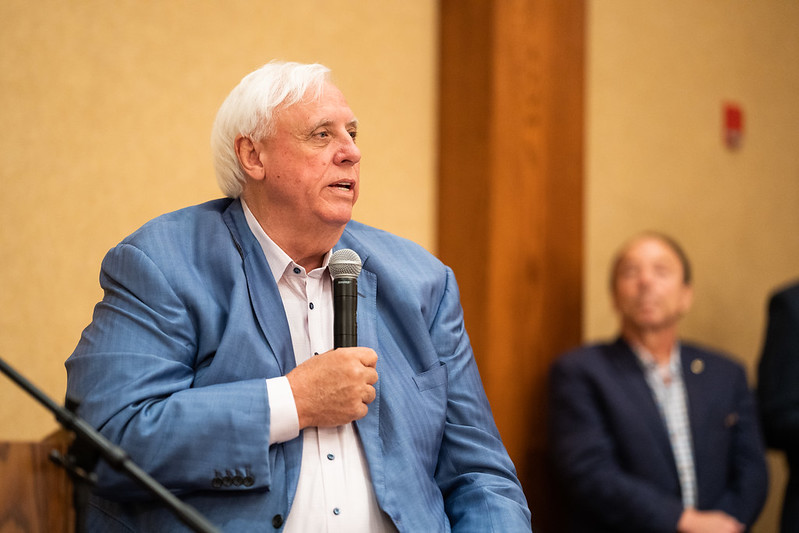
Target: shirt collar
x=647, y=360
x=278, y=260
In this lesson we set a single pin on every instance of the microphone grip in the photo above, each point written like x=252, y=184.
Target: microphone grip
x=345, y=308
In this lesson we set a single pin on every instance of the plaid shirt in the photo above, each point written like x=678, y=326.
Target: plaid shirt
x=668, y=390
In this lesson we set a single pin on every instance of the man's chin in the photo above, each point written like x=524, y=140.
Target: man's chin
x=337, y=222
x=654, y=325
x=336, y=213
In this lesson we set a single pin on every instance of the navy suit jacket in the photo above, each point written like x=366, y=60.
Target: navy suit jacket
x=778, y=391
x=172, y=369
x=612, y=452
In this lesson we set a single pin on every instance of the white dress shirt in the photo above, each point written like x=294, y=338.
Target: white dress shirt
x=334, y=493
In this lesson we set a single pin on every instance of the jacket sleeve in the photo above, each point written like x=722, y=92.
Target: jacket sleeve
x=136, y=374
x=476, y=476
x=586, y=459
x=778, y=375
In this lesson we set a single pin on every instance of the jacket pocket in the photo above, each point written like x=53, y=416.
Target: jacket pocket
x=432, y=377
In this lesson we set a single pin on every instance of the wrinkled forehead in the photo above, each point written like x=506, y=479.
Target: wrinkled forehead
x=325, y=102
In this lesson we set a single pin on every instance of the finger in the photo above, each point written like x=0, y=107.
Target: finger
x=369, y=357
x=362, y=412
x=369, y=395
x=371, y=376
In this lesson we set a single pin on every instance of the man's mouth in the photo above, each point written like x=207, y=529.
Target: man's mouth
x=646, y=304
x=345, y=185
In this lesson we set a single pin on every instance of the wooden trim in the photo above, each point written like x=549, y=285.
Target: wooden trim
x=510, y=215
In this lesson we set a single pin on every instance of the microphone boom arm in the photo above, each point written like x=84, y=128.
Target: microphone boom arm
x=115, y=456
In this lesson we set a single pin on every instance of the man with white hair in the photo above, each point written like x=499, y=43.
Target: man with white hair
x=211, y=361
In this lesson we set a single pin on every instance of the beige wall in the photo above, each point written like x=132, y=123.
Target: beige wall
x=659, y=72
x=105, y=122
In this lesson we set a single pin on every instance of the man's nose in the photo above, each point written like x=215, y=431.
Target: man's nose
x=349, y=153
x=645, y=277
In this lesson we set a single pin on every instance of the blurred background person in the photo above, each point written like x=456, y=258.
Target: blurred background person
x=650, y=433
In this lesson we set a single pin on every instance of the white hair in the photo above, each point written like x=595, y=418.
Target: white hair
x=249, y=110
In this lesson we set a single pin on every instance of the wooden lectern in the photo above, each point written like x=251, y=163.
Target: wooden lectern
x=35, y=493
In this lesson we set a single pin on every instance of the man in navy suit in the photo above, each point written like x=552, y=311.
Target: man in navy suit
x=210, y=357
x=778, y=391
x=649, y=433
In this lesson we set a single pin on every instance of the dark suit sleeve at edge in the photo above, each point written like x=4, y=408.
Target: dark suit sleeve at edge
x=778, y=373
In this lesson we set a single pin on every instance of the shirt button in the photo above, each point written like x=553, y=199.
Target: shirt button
x=336, y=511
x=311, y=305
x=297, y=270
x=330, y=456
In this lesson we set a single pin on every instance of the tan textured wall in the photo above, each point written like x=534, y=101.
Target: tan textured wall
x=659, y=72
x=105, y=122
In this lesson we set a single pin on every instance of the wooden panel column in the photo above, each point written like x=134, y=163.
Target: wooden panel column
x=511, y=204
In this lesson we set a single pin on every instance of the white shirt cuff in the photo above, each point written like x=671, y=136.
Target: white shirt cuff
x=284, y=423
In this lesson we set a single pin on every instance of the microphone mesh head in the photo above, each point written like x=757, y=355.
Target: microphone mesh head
x=344, y=264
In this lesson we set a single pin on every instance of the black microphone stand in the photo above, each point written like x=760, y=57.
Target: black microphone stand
x=89, y=446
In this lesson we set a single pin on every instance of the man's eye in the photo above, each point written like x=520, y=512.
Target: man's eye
x=354, y=135
x=322, y=134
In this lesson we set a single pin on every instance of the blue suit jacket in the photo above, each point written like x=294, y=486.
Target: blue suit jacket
x=172, y=369
x=612, y=451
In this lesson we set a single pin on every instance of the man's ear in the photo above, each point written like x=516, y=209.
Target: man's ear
x=249, y=155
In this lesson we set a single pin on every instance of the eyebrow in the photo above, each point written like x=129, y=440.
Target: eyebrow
x=327, y=122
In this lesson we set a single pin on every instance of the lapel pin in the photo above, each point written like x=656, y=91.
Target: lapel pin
x=697, y=366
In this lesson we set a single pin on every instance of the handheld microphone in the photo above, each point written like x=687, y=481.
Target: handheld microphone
x=345, y=266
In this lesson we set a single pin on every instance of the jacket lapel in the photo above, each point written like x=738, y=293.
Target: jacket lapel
x=693, y=369
x=368, y=426
x=635, y=385
x=264, y=295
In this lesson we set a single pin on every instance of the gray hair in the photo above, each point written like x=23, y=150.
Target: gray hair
x=249, y=110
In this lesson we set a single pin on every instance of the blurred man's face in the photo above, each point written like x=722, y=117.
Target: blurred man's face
x=649, y=289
